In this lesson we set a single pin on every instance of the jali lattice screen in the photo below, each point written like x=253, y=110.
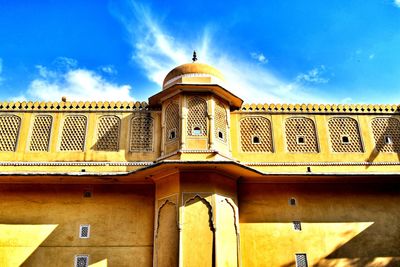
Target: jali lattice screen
x=389, y=129
x=260, y=128
x=108, y=131
x=301, y=128
x=197, y=116
x=9, y=130
x=73, y=133
x=40, y=135
x=142, y=133
x=344, y=128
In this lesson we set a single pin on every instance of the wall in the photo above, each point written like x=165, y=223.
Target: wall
x=342, y=224
x=121, y=224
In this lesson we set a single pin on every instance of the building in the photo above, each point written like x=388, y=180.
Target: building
x=196, y=178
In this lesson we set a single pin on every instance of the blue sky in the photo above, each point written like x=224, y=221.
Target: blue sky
x=269, y=51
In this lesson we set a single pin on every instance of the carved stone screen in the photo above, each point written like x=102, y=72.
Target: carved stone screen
x=142, y=133
x=172, y=122
x=41, y=131
x=197, y=116
x=344, y=135
x=386, y=134
x=73, y=133
x=256, y=129
x=108, y=129
x=9, y=130
x=221, y=122
x=301, y=135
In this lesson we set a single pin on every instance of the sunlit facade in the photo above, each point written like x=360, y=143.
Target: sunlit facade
x=195, y=178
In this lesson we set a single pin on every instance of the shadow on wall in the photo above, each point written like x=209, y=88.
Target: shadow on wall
x=387, y=138
x=344, y=224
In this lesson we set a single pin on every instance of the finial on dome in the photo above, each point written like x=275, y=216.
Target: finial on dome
x=194, y=56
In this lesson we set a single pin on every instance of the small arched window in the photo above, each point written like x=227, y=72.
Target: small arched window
x=196, y=130
x=220, y=135
x=172, y=134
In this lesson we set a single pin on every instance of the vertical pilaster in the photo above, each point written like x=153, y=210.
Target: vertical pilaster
x=211, y=109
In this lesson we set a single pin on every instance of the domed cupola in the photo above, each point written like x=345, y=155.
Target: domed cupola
x=193, y=73
x=195, y=111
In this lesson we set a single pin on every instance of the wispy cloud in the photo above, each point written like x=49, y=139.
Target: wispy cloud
x=77, y=84
x=1, y=70
x=397, y=3
x=109, y=69
x=313, y=76
x=259, y=57
x=157, y=51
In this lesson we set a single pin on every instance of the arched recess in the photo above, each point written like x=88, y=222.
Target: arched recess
x=198, y=242
x=167, y=236
x=228, y=234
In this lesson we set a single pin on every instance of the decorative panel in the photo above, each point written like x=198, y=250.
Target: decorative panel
x=142, y=133
x=108, y=129
x=172, y=122
x=41, y=130
x=345, y=135
x=256, y=134
x=9, y=129
x=197, y=116
x=301, y=135
x=386, y=134
x=73, y=133
x=221, y=122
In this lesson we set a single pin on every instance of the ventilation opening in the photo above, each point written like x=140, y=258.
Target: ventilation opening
x=196, y=130
x=292, y=201
x=301, y=260
x=172, y=134
x=81, y=261
x=345, y=139
x=87, y=193
x=84, y=231
x=256, y=140
x=220, y=135
x=301, y=140
x=297, y=225
x=388, y=140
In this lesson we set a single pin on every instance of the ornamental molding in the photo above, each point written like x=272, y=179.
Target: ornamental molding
x=320, y=163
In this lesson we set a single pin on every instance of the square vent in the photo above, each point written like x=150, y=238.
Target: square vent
x=81, y=261
x=84, y=231
x=301, y=260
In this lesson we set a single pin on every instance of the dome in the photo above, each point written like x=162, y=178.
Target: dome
x=193, y=73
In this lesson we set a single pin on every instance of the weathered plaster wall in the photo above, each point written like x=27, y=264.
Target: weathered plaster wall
x=342, y=224
x=121, y=221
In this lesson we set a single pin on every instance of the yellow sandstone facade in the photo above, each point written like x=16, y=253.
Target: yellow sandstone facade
x=196, y=178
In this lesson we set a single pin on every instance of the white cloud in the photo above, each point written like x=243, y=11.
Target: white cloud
x=397, y=3
x=74, y=83
x=157, y=52
x=259, y=57
x=313, y=76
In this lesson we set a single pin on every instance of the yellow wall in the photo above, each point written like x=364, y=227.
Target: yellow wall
x=342, y=224
x=120, y=217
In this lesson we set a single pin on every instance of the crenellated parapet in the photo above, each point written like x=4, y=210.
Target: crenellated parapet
x=73, y=106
